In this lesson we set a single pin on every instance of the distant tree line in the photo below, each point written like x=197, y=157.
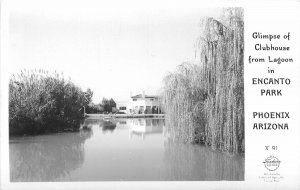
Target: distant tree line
x=106, y=106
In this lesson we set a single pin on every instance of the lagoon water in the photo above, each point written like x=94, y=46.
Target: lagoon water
x=116, y=150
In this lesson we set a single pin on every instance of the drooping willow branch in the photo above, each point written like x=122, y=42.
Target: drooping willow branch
x=204, y=102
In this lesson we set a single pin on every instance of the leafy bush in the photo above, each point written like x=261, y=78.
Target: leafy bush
x=41, y=102
x=94, y=109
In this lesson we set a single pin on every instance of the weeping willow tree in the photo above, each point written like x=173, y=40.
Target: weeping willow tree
x=204, y=100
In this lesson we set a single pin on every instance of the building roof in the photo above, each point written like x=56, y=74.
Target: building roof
x=146, y=96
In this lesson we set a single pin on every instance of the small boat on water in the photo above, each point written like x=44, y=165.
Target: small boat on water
x=109, y=117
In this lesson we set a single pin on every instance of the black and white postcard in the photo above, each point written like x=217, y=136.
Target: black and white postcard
x=150, y=94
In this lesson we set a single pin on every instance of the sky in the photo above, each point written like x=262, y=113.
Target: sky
x=113, y=47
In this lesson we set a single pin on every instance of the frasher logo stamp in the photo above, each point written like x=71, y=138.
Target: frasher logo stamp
x=272, y=163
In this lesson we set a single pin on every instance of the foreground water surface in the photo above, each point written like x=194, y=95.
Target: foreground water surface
x=118, y=149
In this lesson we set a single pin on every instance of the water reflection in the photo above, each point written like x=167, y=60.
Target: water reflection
x=90, y=122
x=144, y=127
x=46, y=157
x=199, y=163
x=108, y=125
x=118, y=149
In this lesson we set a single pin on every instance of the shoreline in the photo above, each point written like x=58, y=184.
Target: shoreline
x=126, y=115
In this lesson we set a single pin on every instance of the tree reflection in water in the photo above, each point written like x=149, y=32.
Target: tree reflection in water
x=108, y=126
x=46, y=157
x=199, y=163
x=113, y=155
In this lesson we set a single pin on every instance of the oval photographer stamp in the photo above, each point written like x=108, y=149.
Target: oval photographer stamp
x=272, y=163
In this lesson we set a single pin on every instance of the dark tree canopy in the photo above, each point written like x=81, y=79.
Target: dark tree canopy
x=108, y=104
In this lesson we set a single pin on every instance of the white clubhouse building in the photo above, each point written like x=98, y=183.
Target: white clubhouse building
x=141, y=104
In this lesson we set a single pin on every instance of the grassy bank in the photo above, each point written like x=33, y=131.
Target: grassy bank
x=204, y=101
x=40, y=102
